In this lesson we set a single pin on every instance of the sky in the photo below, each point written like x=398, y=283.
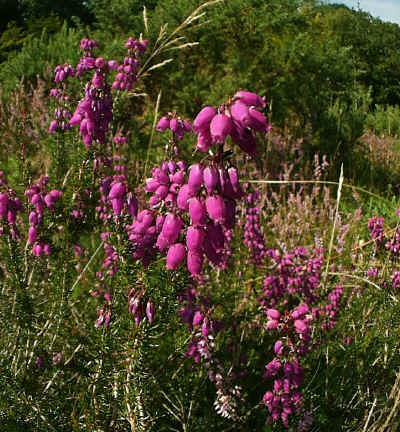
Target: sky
x=386, y=10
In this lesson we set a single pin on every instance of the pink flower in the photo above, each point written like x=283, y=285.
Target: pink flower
x=211, y=178
x=117, y=191
x=183, y=195
x=220, y=128
x=163, y=124
x=194, y=263
x=257, y=121
x=53, y=126
x=198, y=318
x=150, y=310
x=176, y=254
x=216, y=208
x=32, y=235
x=195, y=178
x=172, y=227
x=300, y=326
x=37, y=250
x=203, y=119
x=240, y=112
x=250, y=99
x=195, y=239
x=204, y=141
x=273, y=314
x=197, y=211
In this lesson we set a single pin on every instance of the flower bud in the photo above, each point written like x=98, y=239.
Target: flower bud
x=113, y=64
x=33, y=218
x=300, y=326
x=278, y=347
x=55, y=194
x=150, y=310
x=198, y=318
x=53, y=126
x=117, y=205
x=49, y=201
x=273, y=314
x=37, y=250
x=3, y=205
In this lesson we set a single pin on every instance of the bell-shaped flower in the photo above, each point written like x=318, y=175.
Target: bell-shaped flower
x=176, y=254
x=194, y=263
x=32, y=235
x=197, y=211
x=183, y=196
x=216, y=208
x=195, y=238
x=204, y=141
x=250, y=99
x=195, y=178
x=240, y=112
x=220, y=128
x=163, y=124
x=117, y=191
x=172, y=227
x=210, y=175
x=203, y=119
x=117, y=205
x=257, y=121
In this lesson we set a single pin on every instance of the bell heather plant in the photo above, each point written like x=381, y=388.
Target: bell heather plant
x=100, y=267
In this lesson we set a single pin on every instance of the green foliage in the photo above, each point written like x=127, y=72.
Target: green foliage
x=37, y=54
x=385, y=120
x=11, y=39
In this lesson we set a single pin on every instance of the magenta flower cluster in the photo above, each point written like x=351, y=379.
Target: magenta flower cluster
x=375, y=226
x=190, y=214
x=40, y=199
x=10, y=206
x=141, y=307
x=175, y=124
x=294, y=309
x=196, y=313
x=94, y=112
x=253, y=236
x=127, y=72
x=239, y=118
x=386, y=241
